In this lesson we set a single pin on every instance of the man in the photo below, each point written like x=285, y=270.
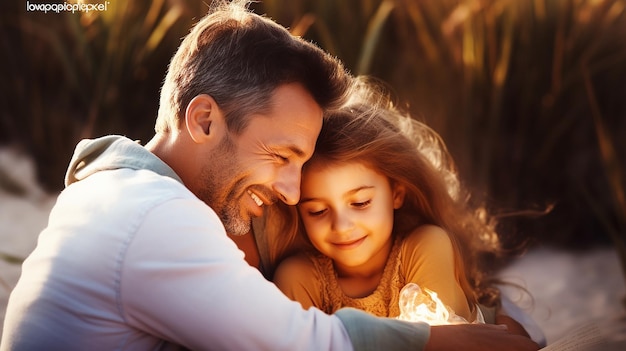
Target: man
x=136, y=256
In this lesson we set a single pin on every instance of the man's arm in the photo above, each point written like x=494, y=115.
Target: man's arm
x=477, y=337
x=185, y=281
x=467, y=337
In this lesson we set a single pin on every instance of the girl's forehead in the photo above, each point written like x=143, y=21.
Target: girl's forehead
x=318, y=166
x=336, y=178
x=341, y=185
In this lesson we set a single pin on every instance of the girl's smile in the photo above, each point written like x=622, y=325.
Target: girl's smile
x=348, y=212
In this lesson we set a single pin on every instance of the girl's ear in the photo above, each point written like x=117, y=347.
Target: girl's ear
x=204, y=119
x=399, y=191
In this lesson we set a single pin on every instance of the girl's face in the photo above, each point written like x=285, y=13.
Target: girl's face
x=347, y=210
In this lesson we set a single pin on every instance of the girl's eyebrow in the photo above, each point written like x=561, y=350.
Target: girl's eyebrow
x=306, y=199
x=356, y=190
x=349, y=193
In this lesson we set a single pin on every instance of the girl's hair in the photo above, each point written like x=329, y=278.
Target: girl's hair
x=371, y=131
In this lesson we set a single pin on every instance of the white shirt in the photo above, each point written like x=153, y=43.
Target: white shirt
x=132, y=260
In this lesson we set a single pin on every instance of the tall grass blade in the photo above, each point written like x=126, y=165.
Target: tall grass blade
x=612, y=169
x=372, y=36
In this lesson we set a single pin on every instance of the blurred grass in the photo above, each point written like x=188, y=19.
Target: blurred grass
x=529, y=95
x=68, y=76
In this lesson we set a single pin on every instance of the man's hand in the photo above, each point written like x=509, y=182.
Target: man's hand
x=479, y=337
x=513, y=326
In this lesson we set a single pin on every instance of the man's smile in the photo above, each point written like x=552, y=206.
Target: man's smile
x=256, y=198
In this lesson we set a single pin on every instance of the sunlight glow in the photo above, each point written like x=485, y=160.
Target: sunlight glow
x=423, y=305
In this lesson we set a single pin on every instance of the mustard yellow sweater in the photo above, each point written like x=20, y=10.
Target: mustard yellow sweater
x=424, y=257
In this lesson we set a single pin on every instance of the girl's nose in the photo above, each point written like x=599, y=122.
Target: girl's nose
x=342, y=222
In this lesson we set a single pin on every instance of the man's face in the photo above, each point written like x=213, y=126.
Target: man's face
x=264, y=163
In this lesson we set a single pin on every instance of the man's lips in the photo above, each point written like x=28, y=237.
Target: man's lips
x=255, y=205
x=256, y=198
x=259, y=199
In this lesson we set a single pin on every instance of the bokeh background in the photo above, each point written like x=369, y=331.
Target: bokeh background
x=529, y=95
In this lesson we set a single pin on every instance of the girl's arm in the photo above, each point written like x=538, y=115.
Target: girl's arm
x=428, y=260
x=297, y=278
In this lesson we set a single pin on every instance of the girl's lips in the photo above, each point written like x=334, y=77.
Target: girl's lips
x=347, y=245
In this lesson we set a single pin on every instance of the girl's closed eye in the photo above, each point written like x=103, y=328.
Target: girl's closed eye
x=362, y=204
x=315, y=212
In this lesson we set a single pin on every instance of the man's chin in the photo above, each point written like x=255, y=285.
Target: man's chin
x=241, y=227
x=238, y=233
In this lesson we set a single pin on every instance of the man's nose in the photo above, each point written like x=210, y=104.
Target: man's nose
x=288, y=185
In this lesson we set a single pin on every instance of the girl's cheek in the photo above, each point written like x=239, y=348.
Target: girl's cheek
x=316, y=228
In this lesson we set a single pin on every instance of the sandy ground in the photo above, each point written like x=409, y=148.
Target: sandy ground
x=569, y=290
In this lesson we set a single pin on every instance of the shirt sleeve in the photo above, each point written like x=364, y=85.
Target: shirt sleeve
x=428, y=260
x=386, y=334
x=297, y=278
x=182, y=279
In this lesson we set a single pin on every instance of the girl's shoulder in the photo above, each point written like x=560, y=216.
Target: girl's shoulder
x=299, y=278
x=428, y=237
x=298, y=265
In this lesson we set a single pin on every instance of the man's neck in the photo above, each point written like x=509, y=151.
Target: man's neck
x=172, y=149
x=247, y=244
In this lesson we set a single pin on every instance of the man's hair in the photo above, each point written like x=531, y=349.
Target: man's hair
x=239, y=58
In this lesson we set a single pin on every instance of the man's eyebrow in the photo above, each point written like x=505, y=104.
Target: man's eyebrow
x=291, y=148
x=296, y=150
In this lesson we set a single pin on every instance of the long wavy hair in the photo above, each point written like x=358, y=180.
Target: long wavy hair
x=371, y=131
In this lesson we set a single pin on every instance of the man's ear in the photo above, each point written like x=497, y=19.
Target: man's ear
x=399, y=191
x=204, y=119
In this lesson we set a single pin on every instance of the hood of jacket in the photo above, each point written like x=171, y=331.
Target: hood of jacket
x=113, y=152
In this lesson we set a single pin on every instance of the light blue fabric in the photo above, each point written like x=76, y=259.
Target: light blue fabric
x=113, y=152
x=515, y=312
x=391, y=334
x=132, y=260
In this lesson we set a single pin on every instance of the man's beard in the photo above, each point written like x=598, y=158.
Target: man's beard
x=219, y=191
x=231, y=218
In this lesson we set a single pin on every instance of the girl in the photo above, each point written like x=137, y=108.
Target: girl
x=381, y=207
